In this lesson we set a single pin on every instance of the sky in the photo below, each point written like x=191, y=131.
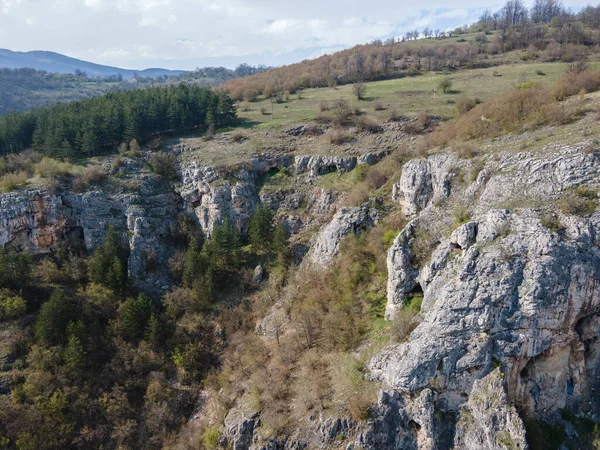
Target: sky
x=185, y=34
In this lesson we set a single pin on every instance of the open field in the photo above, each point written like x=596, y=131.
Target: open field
x=408, y=95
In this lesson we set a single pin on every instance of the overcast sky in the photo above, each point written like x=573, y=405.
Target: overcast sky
x=184, y=34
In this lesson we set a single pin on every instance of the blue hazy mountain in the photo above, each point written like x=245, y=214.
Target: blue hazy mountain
x=57, y=63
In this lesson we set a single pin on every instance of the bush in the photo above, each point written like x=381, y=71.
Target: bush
x=551, y=222
x=445, y=85
x=365, y=123
x=11, y=306
x=210, y=438
x=375, y=179
x=359, y=89
x=465, y=104
x=394, y=116
x=164, y=164
x=11, y=181
x=238, y=137
x=52, y=169
x=573, y=83
x=579, y=205
x=466, y=150
x=324, y=105
x=341, y=112
x=526, y=85
x=92, y=175
x=418, y=125
x=339, y=137
x=263, y=110
x=378, y=106
x=461, y=215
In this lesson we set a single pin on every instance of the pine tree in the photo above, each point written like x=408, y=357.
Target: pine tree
x=281, y=246
x=108, y=264
x=135, y=314
x=260, y=228
x=53, y=318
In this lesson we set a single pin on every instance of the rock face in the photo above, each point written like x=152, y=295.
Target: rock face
x=424, y=182
x=535, y=177
x=487, y=421
x=402, y=273
x=37, y=221
x=346, y=221
x=518, y=300
x=321, y=165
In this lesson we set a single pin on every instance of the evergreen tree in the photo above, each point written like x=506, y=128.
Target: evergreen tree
x=53, y=319
x=192, y=264
x=108, y=264
x=135, y=315
x=260, y=228
x=281, y=246
x=15, y=269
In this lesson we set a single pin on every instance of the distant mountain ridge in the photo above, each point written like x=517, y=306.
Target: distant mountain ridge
x=57, y=63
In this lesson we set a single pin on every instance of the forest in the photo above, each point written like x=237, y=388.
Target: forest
x=25, y=89
x=99, y=125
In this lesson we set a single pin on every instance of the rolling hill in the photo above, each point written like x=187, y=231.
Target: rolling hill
x=57, y=63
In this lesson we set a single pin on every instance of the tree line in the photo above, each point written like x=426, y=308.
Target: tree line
x=99, y=125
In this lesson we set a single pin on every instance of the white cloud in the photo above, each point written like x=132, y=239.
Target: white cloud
x=190, y=33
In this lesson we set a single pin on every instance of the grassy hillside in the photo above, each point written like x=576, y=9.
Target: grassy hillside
x=408, y=95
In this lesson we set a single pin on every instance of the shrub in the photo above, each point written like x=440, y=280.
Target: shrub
x=461, y=215
x=11, y=181
x=551, y=222
x=324, y=105
x=394, y=116
x=375, y=179
x=526, y=85
x=238, y=137
x=11, y=306
x=540, y=72
x=465, y=104
x=323, y=118
x=418, y=125
x=210, y=438
x=164, y=164
x=339, y=137
x=445, y=85
x=263, y=110
x=92, y=175
x=423, y=245
x=378, y=106
x=359, y=89
x=466, y=150
x=365, y=123
x=341, y=112
x=52, y=169
x=574, y=204
x=573, y=83
x=134, y=148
